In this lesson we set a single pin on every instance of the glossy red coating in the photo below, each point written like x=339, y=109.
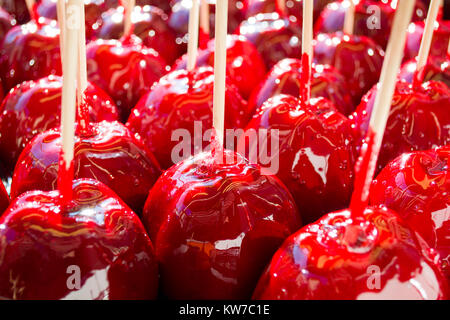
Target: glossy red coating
x=110, y=154
x=417, y=186
x=245, y=66
x=437, y=68
x=93, y=13
x=149, y=23
x=35, y=106
x=260, y=6
x=295, y=8
x=215, y=226
x=45, y=245
x=174, y=104
x=316, y=152
x=16, y=8
x=30, y=52
x=332, y=18
x=6, y=23
x=285, y=78
x=4, y=198
x=179, y=18
x=359, y=59
x=375, y=257
x=125, y=69
x=439, y=43
x=418, y=119
x=275, y=38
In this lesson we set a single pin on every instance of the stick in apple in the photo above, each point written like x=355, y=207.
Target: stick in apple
x=128, y=26
x=32, y=9
x=193, y=35
x=60, y=12
x=349, y=18
x=72, y=28
x=365, y=167
x=281, y=4
x=307, y=50
x=204, y=23
x=425, y=44
x=220, y=60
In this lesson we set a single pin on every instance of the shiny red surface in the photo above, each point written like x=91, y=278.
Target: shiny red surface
x=124, y=69
x=35, y=106
x=340, y=259
x=437, y=68
x=275, y=38
x=418, y=119
x=17, y=8
x=110, y=154
x=216, y=225
x=96, y=232
x=30, y=52
x=316, y=152
x=295, y=8
x=93, y=12
x=245, y=66
x=4, y=198
x=6, y=23
x=285, y=78
x=439, y=43
x=417, y=186
x=357, y=58
x=178, y=100
x=179, y=18
x=149, y=23
x=333, y=16
x=260, y=6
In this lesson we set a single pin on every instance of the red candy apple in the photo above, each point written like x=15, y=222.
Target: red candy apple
x=437, y=69
x=366, y=22
x=215, y=225
x=316, y=152
x=295, y=8
x=125, y=69
x=260, y=6
x=418, y=119
x=176, y=103
x=35, y=106
x=17, y=8
x=96, y=238
x=357, y=58
x=179, y=18
x=4, y=198
x=439, y=43
x=149, y=23
x=245, y=66
x=286, y=78
x=337, y=258
x=275, y=38
x=93, y=11
x=417, y=186
x=30, y=52
x=6, y=23
x=109, y=153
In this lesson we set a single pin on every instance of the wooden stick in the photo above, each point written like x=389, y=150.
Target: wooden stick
x=349, y=18
x=380, y=114
x=425, y=44
x=129, y=6
x=281, y=4
x=204, y=16
x=193, y=35
x=307, y=48
x=72, y=27
x=448, y=48
x=31, y=9
x=60, y=12
x=220, y=60
x=82, y=70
